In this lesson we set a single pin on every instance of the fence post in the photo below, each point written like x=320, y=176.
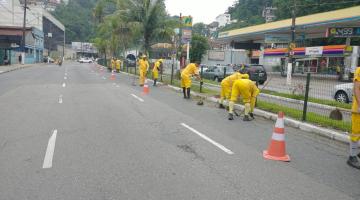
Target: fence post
x=172, y=73
x=201, y=74
x=306, y=96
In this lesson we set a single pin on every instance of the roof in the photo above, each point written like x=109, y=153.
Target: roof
x=337, y=16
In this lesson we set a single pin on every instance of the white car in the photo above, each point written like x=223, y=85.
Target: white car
x=85, y=60
x=343, y=92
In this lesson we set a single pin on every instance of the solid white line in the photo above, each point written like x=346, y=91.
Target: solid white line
x=208, y=139
x=50, y=151
x=138, y=98
x=60, y=99
x=64, y=84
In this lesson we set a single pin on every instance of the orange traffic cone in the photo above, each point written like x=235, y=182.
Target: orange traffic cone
x=146, y=89
x=112, y=77
x=277, y=150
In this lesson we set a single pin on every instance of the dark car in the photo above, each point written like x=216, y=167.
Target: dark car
x=130, y=60
x=256, y=72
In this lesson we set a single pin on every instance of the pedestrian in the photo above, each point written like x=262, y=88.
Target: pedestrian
x=226, y=86
x=113, y=62
x=157, y=67
x=248, y=90
x=118, y=65
x=143, y=67
x=355, y=132
x=190, y=70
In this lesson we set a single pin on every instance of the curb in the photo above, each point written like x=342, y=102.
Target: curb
x=18, y=68
x=306, y=127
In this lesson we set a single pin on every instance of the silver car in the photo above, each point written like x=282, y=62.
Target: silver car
x=343, y=92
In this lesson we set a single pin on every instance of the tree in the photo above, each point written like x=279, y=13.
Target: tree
x=199, y=46
x=200, y=29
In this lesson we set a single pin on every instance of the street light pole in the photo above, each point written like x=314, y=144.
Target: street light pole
x=292, y=45
x=23, y=35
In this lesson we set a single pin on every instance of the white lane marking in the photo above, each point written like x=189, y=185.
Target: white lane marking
x=114, y=84
x=117, y=86
x=64, y=84
x=1, y=72
x=138, y=98
x=65, y=78
x=60, y=99
x=226, y=150
x=50, y=151
x=104, y=77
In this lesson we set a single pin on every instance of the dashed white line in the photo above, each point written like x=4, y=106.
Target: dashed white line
x=60, y=99
x=223, y=148
x=50, y=151
x=65, y=78
x=138, y=98
x=64, y=85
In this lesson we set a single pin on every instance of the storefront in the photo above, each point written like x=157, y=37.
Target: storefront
x=320, y=60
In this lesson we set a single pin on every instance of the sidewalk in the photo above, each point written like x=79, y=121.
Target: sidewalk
x=9, y=68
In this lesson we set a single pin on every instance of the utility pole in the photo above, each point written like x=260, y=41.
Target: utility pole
x=292, y=45
x=23, y=35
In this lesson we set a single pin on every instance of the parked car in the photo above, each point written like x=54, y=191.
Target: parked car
x=85, y=60
x=216, y=73
x=130, y=60
x=343, y=92
x=256, y=72
x=48, y=59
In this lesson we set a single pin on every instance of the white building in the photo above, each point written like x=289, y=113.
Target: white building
x=223, y=19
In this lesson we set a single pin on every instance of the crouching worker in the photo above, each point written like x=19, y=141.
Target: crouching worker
x=226, y=86
x=157, y=68
x=248, y=91
x=190, y=70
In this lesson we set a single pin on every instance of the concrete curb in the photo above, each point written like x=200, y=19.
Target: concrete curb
x=18, y=68
x=306, y=127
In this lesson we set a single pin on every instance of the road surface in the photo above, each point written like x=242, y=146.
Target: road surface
x=71, y=133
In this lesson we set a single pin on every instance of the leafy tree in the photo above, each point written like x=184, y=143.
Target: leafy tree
x=200, y=29
x=199, y=46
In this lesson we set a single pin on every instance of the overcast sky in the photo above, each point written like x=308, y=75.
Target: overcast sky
x=202, y=10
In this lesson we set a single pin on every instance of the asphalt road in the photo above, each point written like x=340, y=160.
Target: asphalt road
x=88, y=137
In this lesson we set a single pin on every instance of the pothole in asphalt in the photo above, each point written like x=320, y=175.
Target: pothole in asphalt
x=189, y=149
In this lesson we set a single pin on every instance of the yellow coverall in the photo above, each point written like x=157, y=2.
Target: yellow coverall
x=190, y=70
x=143, y=66
x=355, y=118
x=113, y=64
x=227, y=83
x=248, y=90
x=118, y=65
x=156, y=69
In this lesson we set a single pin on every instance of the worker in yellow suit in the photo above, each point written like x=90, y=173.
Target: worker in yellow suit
x=157, y=67
x=226, y=86
x=190, y=70
x=118, y=65
x=355, y=132
x=143, y=68
x=113, y=62
x=248, y=91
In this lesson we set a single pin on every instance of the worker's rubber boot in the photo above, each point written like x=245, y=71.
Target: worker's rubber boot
x=184, y=91
x=246, y=118
x=231, y=116
x=188, y=93
x=353, y=162
x=252, y=115
x=155, y=80
x=221, y=106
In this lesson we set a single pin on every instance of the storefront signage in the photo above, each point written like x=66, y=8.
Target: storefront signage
x=343, y=32
x=313, y=51
x=269, y=39
x=187, y=21
x=186, y=34
x=216, y=55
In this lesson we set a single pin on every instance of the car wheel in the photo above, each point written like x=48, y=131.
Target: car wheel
x=342, y=97
x=216, y=79
x=261, y=82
